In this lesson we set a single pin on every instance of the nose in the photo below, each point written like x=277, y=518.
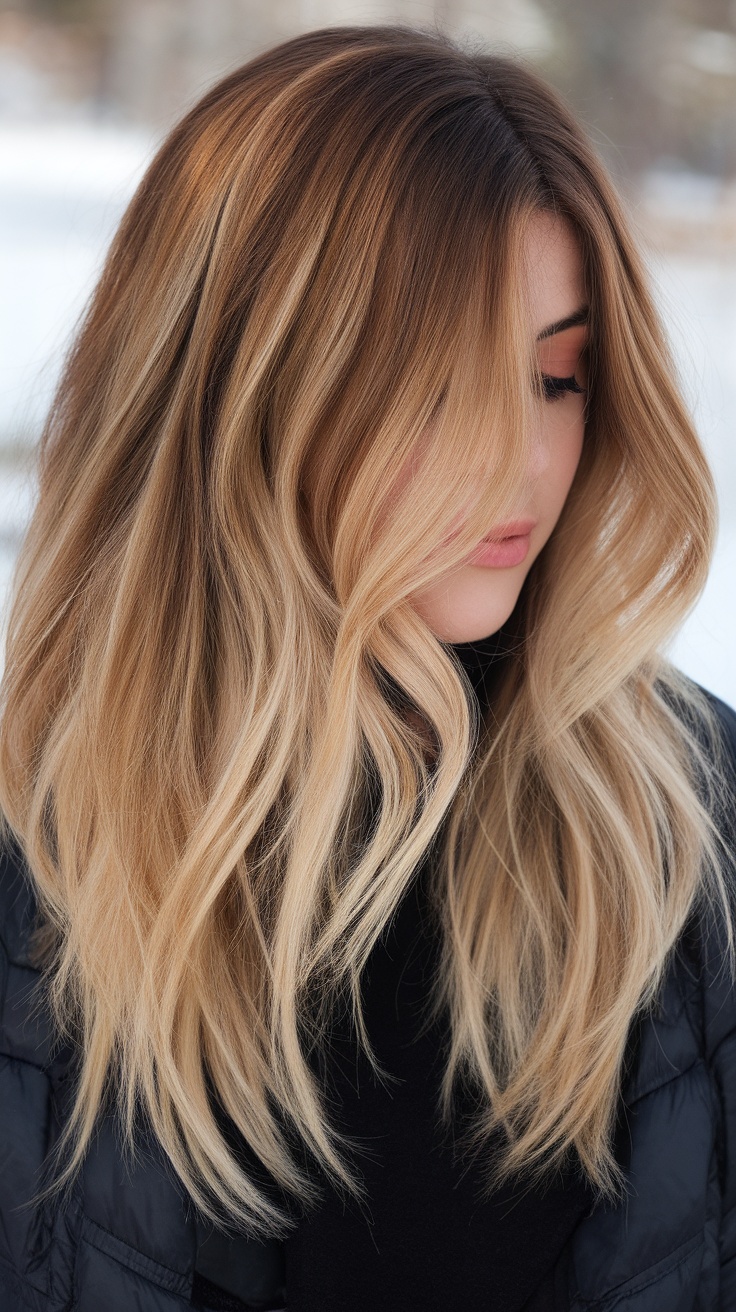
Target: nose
x=539, y=453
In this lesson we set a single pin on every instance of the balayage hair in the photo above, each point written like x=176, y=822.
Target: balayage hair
x=205, y=747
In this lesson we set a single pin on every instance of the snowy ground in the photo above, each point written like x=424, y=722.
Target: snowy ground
x=62, y=190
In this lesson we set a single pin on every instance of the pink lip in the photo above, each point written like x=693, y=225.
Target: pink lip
x=502, y=555
x=508, y=546
x=518, y=528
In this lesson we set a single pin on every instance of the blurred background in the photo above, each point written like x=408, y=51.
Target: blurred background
x=89, y=87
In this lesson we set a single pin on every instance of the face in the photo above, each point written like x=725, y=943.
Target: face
x=477, y=598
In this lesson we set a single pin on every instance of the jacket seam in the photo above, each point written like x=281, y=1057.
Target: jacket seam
x=104, y=1241
x=21, y=1281
x=655, y=1088
x=43, y=1067
x=625, y=1289
x=731, y=1034
x=10, y=954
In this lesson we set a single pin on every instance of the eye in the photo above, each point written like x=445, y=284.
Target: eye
x=553, y=388
x=563, y=363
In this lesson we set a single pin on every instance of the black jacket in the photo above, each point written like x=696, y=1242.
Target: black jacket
x=127, y=1239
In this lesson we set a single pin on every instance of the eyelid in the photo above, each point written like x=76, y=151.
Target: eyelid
x=562, y=355
x=554, y=386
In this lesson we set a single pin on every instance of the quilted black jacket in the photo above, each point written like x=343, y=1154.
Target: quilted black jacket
x=127, y=1240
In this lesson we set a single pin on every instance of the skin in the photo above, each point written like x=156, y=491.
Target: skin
x=474, y=601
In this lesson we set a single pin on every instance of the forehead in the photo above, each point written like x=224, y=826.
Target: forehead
x=554, y=262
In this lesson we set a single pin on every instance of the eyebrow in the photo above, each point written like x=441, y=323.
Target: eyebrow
x=572, y=321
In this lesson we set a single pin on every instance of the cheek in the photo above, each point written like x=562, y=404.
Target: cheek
x=565, y=446
x=406, y=473
x=574, y=448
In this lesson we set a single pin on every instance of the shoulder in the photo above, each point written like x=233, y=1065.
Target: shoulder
x=27, y=1033
x=127, y=1231
x=694, y=1020
x=716, y=979
x=722, y=717
x=704, y=943
x=18, y=906
x=722, y=755
x=726, y=720
x=711, y=721
x=31, y=1067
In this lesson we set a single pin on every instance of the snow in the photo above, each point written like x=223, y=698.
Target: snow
x=697, y=297
x=63, y=188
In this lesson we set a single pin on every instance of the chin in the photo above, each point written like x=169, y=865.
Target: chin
x=477, y=604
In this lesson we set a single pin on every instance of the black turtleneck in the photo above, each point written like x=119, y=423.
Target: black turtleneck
x=482, y=658
x=427, y=1238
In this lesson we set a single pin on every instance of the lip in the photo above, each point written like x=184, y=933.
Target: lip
x=518, y=528
x=502, y=554
x=508, y=546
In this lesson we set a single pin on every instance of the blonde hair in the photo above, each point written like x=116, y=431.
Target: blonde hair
x=218, y=790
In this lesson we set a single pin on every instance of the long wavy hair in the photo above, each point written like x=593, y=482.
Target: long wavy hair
x=211, y=741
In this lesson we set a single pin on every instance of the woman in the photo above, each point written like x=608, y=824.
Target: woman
x=368, y=870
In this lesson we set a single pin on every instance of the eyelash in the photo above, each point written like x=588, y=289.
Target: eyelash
x=554, y=387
